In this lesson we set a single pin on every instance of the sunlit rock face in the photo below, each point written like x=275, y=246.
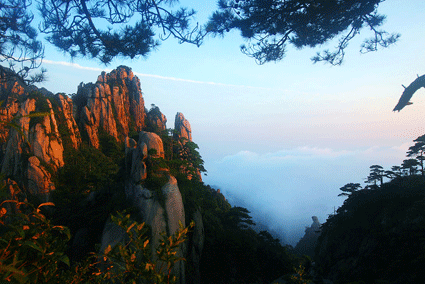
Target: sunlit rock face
x=183, y=134
x=66, y=107
x=32, y=147
x=45, y=140
x=39, y=179
x=12, y=91
x=114, y=104
x=156, y=120
x=182, y=127
x=153, y=143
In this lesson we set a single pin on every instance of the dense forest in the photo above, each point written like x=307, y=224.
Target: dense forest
x=378, y=234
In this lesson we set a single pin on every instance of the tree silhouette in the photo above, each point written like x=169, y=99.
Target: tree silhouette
x=19, y=48
x=409, y=91
x=393, y=173
x=376, y=174
x=102, y=29
x=349, y=188
x=410, y=165
x=418, y=151
x=75, y=27
x=270, y=25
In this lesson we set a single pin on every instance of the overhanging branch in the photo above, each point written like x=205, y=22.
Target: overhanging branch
x=409, y=91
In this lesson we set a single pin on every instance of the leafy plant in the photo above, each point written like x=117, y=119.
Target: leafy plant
x=31, y=248
x=132, y=261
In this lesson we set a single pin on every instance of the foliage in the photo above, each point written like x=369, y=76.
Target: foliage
x=300, y=276
x=31, y=247
x=96, y=29
x=270, y=25
x=32, y=250
x=132, y=261
x=410, y=165
x=87, y=169
x=350, y=188
x=376, y=174
x=19, y=44
x=418, y=151
x=377, y=235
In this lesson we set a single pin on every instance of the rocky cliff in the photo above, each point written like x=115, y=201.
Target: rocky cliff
x=307, y=244
x=107, y=116
x=114, y=105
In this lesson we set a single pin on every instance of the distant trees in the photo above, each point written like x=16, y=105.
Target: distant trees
x=376, y=174
x=270, y=25
x=349, y=188
x=418, y=151
x=409, y=167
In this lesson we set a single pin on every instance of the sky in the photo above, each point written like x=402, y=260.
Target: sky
x=280, y=139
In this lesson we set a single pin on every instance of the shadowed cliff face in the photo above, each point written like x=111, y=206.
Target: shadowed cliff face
x=307, y=244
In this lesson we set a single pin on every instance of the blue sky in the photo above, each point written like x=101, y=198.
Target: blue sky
x=281, y=138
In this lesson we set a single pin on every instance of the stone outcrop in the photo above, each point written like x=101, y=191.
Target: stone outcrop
x=162, y=213
x=12, y=164
x=45, y=140
x=182, y=128
x=41, y=142
x=195, y=247
x=12, y=90
x=39, y=179
x=114, y=104
x=156, y=120
x=153, y=143
x=307, y=244
x=66, y=108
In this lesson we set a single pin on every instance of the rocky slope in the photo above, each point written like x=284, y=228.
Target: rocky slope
x=112, y=108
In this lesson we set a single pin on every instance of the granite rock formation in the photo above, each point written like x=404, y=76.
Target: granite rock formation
x=182, y=128
x=162, y=213
x=114, y=104
x=34, y=151
x=156, y=120
x=307, y=244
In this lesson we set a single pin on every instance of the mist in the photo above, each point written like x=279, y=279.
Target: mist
x=284, y=189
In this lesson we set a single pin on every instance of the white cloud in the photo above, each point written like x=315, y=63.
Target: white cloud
x=74, y=65
x=78, y=66
x=291, y=185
